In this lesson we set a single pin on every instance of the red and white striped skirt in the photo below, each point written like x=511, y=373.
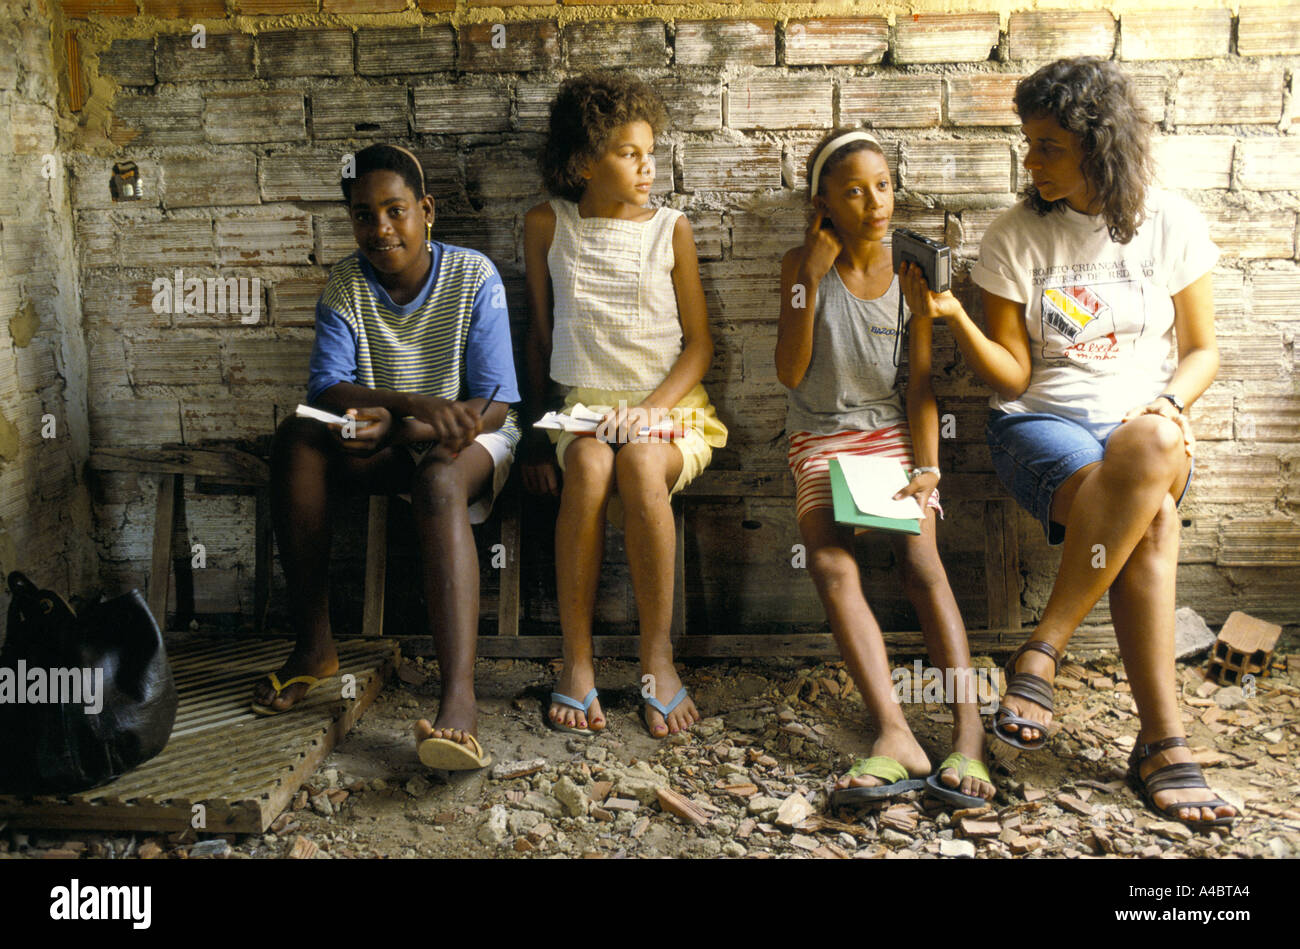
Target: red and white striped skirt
x=810, y=455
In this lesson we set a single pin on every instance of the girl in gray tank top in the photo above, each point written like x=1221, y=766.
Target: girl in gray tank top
x=850, y=382
x=835, y=352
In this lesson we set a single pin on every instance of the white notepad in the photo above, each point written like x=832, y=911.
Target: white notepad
x=873, y=482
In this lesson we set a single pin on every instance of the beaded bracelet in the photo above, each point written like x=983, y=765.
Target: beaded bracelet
x=925, y=470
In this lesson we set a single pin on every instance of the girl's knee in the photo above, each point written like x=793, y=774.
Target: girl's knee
x=833, y=568
x=589, y=460
x=1149, y=443
x=921, y=568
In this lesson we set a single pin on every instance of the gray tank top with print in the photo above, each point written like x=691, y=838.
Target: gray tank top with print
x=850, y=382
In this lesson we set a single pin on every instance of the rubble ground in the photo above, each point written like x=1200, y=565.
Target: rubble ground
x=752, y=778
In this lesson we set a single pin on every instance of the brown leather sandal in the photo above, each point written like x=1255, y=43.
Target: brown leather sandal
x=1026, y=685
x=1183, y=774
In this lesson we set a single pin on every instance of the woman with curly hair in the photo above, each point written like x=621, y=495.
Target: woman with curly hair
x=618, y=317
x=1087, y=284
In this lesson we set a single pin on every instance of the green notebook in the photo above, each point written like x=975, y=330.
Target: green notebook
x=847, y=512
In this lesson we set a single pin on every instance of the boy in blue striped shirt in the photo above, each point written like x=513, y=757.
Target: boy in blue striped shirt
x=413, y=341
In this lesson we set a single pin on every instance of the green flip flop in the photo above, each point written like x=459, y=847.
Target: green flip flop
x=878, y=766
x=963, y=766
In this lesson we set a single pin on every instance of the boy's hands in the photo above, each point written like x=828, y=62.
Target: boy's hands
x=920, y=487
x=454, y=424
x=374, y=425
x=923, y=303
x=821, y=246
x=537, y=463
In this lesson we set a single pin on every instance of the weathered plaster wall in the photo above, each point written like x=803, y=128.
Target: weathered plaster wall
x=241, y=139
x=44, y=503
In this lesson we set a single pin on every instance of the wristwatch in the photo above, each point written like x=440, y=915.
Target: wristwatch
x=1173, y=400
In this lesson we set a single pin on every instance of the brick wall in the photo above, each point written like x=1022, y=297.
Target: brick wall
x=240, y=143
x=44, y=504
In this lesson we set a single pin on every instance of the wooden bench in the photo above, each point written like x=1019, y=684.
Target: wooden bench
x=230, y=466
x=234, y=467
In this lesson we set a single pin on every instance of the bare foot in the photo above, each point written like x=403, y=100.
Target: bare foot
x=576, y=681
x=899, y=745
x=1176, y=755
x=320, y=661
x=666, y=686
x=457, y=720
x=1034, y=663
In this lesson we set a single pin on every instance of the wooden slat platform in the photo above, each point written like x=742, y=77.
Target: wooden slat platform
x=244, y=768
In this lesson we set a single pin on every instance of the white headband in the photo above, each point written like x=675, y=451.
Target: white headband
x=831, y=147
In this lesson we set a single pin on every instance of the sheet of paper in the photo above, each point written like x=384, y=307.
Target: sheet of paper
x=320, y=415
x=583, y=419
x=873, y=482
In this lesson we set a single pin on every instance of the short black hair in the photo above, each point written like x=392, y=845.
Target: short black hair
x=381, y=157
x=587, y=110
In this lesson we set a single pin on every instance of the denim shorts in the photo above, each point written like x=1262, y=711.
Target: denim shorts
x=1035, y=453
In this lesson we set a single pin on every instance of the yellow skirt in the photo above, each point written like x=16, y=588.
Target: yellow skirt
x=694, y=415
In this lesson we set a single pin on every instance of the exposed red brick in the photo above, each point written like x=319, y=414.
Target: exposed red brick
x=186, y=9
x=81, y=9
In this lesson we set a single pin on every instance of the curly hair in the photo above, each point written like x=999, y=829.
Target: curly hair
x=382, y=157
x=835, y=157
x=586, y=112
x=1094, y=99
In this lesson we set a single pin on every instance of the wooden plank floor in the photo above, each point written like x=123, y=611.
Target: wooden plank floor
x=242, y=767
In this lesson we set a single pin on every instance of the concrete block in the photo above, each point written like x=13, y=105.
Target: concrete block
x=1061, y=34
x=1228, y=98
x=287, y=53
x=1268, y=31
x=299, y=176
x=128, y=62
x=633, y=44
x=269, y=115
x=892, y=101
x=945, y=38
x=171, y=360
x=1175, y=34
x=202, y=180
x=448, y=109
x=396, y=50
x=982, y=99
x=276, y=235
x=836, y=41
x=1194, y=162
x=225, y=56
x=360, y=111
x=1251, y=233
x=164, y=119
x=522, y=46
x=727, y=166
x=1270, y=164
x=134, y=423
x=957, y=167
x=719, y=42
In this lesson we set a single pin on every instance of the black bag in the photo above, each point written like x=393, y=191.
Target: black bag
x=55, y=745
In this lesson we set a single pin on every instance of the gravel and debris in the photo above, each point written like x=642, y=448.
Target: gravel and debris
x=752, y=779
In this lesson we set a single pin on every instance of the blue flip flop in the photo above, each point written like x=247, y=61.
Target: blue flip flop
x=662, y=709
x=561, y=699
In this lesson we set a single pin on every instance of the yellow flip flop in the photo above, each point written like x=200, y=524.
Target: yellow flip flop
x=963, y=766
x=452, y=755
x=311, y=681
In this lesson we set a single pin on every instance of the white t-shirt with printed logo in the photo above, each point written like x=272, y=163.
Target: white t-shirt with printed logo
x=1099, y=313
